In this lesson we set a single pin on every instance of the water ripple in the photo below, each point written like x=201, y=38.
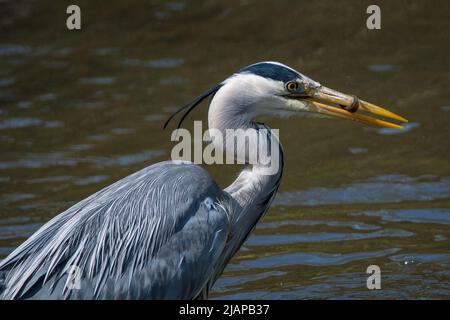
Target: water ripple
x=308, y=259
x=261, y=240
x=434, y=215
x=18, y=231
x=35, y=161
x=383, y=68
x=407, y=127
x=415, y=258
x=90, y=180
x=346, y=224
x=239, y=280
x=97, y=80
x=374, y=191
x=8, y=198
x=13, y=49
x=17, y=123
x=165, y=63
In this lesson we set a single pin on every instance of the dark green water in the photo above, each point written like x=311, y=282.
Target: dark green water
x=80, y=110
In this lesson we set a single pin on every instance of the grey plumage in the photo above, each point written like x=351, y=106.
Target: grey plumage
x=165, y=232
x=152, y=235
x=125, y=236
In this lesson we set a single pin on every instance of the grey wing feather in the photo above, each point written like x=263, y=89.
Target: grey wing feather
x=138, y=238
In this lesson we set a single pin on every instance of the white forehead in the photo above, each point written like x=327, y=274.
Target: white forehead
x=255, y=83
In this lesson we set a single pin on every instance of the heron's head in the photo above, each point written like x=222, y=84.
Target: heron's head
x=274, y=89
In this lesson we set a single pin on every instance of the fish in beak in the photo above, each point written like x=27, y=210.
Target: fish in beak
x=333, y=103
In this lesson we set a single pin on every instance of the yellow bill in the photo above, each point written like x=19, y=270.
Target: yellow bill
x=334, y=103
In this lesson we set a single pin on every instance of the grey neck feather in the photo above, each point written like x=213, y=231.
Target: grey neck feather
x=253, y=190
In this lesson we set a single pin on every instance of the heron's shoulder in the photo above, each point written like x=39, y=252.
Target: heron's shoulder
x=179, y=172
x=120, y=229
x=188, y=167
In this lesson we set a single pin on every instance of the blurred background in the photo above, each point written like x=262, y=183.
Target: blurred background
x=82, y=109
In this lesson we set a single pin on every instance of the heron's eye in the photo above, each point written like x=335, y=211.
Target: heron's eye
x=292, y=86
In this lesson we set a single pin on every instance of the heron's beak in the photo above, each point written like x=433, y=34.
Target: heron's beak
x=334, y=103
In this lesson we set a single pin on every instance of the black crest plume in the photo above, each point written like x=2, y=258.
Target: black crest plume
x=191, y=105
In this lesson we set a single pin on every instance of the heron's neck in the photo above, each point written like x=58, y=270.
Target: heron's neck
x=258, y=182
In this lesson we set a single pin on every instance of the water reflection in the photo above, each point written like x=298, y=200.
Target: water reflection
x=384, y=68
x=5, y=82
x=383, y=189
x=97, y=80
x=19, y=123
x=324, y=237
x=166, y=63
x=427, y=215
x=308, y=259
x=64, y=159
x=406, y=128
x=13, y=49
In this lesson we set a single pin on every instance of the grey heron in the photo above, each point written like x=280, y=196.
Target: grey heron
x=168, y=230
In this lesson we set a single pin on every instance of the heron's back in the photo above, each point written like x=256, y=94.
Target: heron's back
x=153, y=234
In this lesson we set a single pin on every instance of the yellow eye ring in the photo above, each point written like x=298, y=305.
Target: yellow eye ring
x=292, y=86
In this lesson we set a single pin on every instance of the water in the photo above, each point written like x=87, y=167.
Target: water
x=80, y=110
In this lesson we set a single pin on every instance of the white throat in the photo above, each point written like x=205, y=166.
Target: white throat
x=232, y=111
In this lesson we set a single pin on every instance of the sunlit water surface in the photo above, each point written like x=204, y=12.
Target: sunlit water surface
x=80, y=110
